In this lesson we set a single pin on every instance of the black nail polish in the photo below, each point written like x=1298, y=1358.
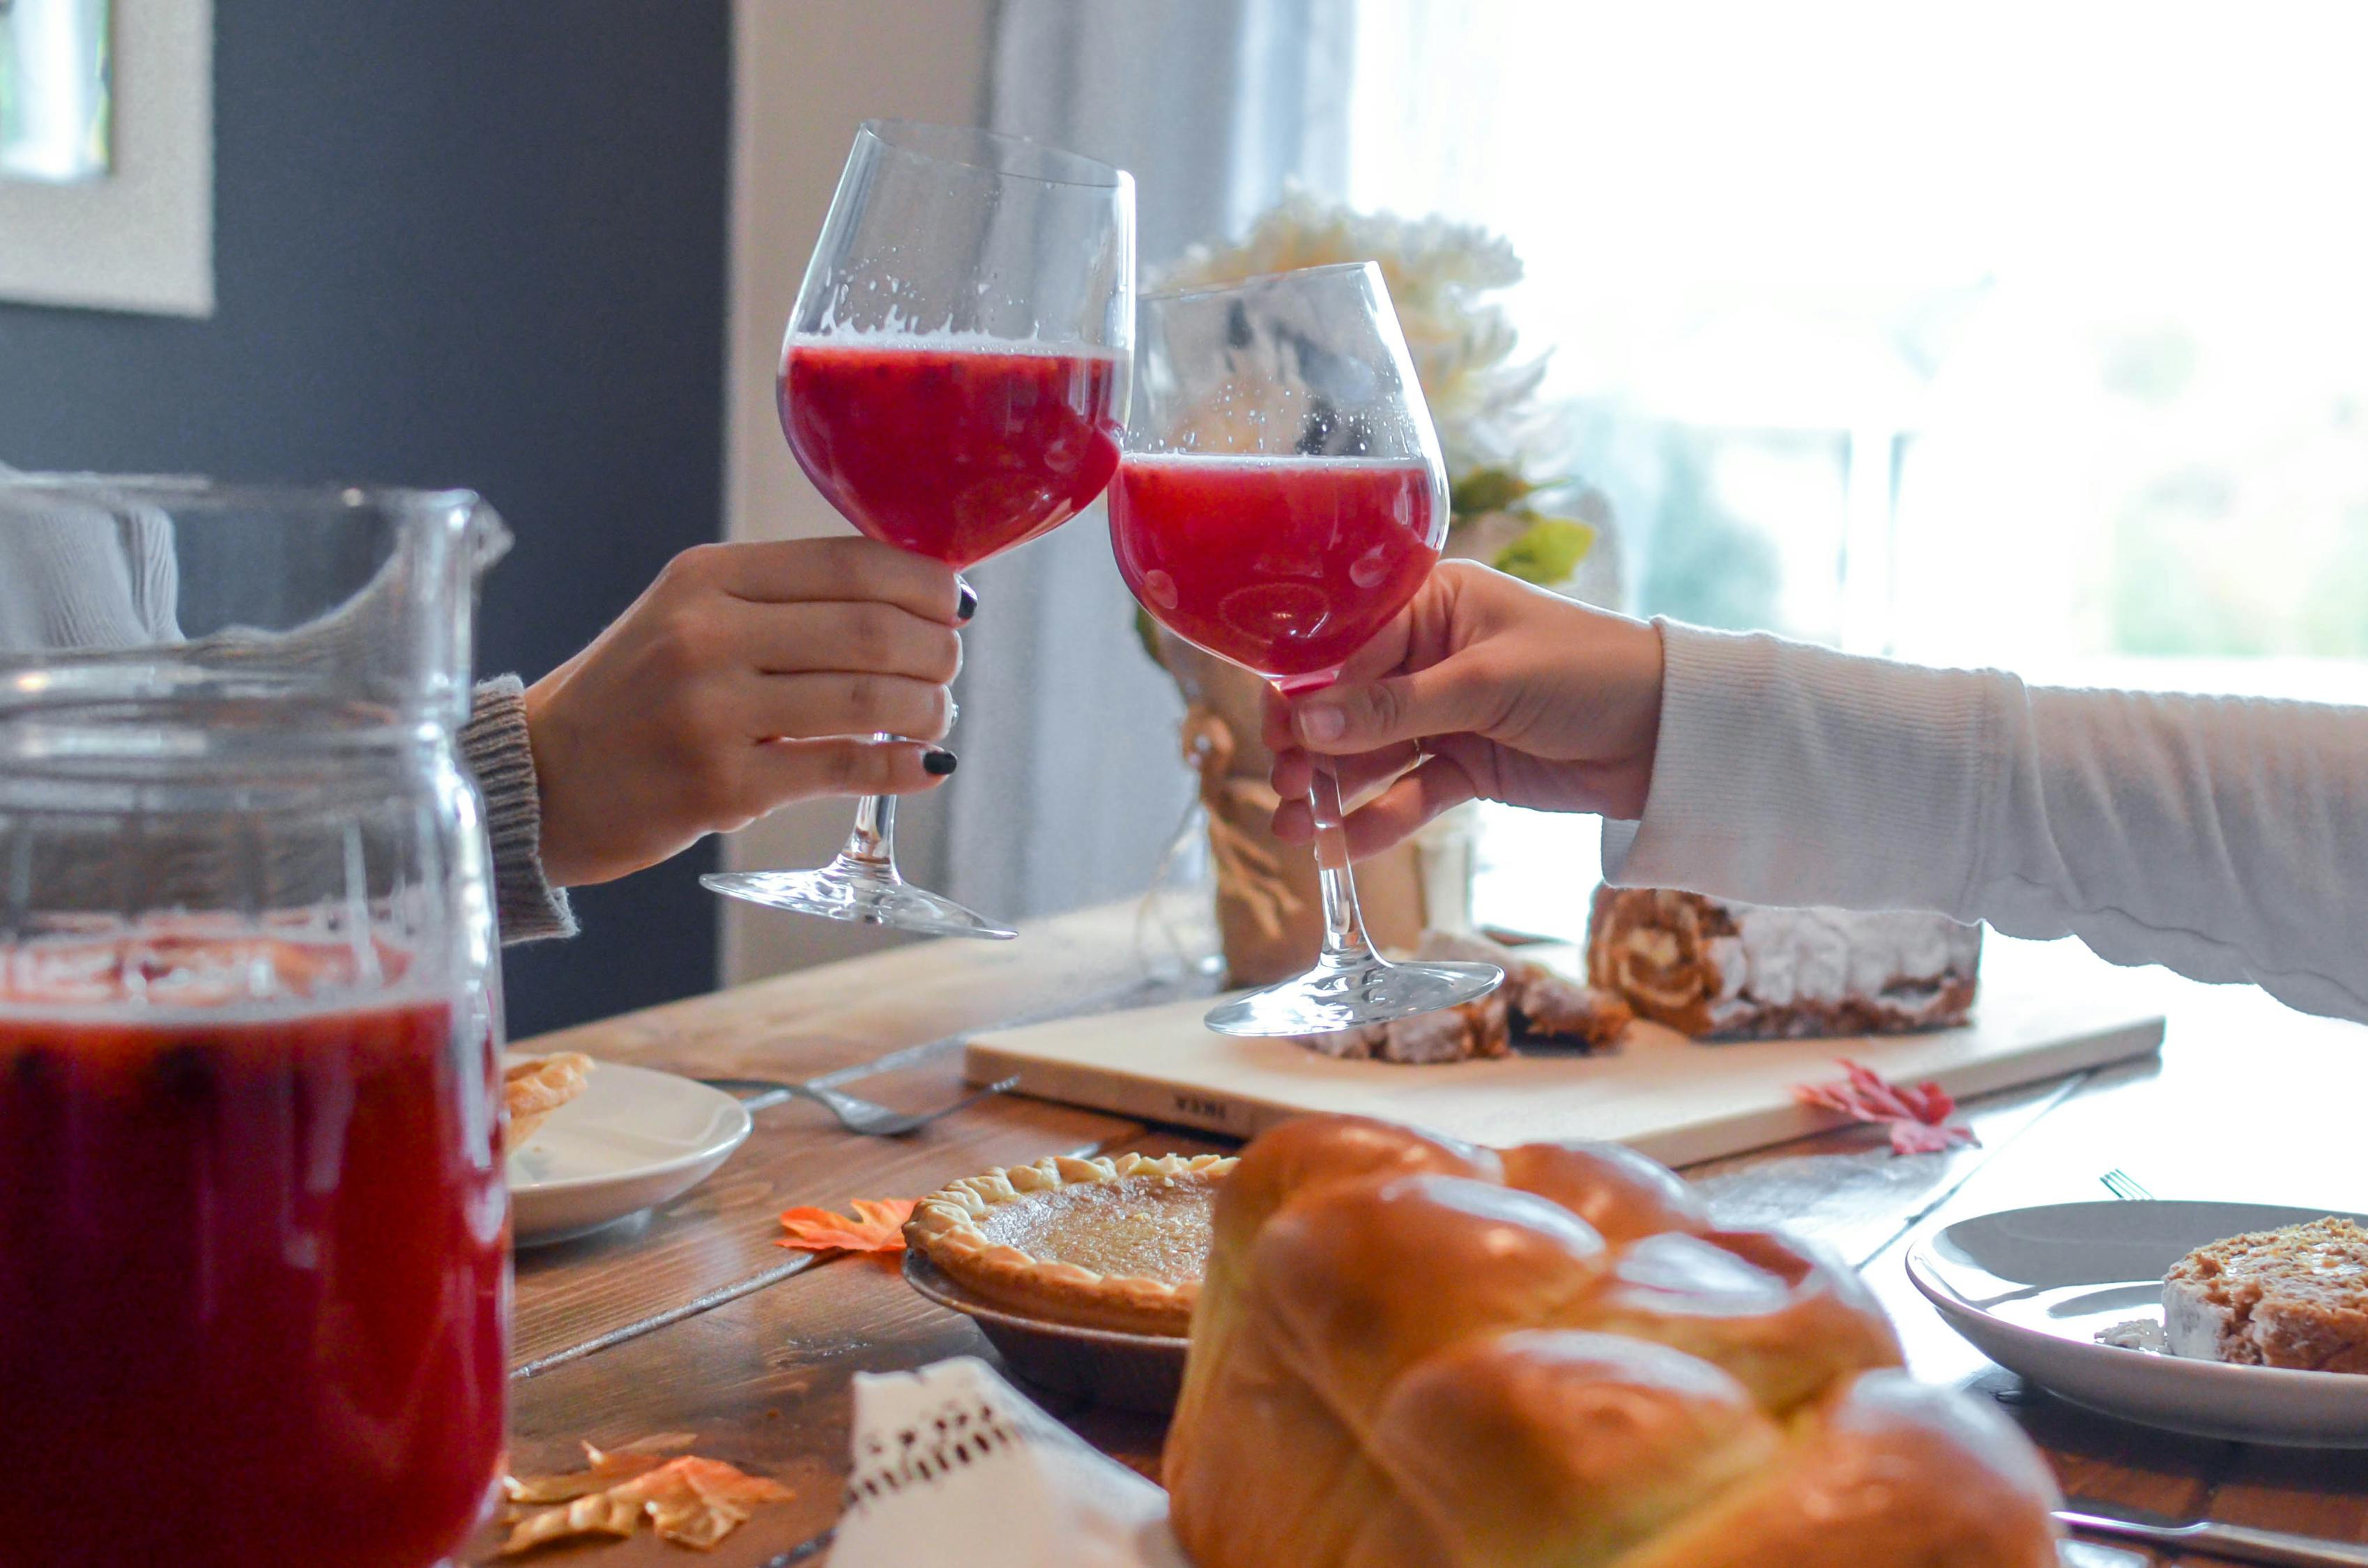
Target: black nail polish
x=939, y=761
x=966, y=600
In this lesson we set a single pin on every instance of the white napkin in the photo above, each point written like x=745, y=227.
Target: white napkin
x=953, y=1465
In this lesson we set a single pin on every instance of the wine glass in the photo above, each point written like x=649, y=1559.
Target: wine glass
x=954, y=380
x=1280, y=499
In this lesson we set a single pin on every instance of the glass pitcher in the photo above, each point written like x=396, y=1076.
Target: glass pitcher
x=254, y=1260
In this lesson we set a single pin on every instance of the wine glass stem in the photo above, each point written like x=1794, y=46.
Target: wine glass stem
x=1345, y=943
x=872, y=844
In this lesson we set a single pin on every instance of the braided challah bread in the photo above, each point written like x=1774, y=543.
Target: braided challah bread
x=1412, y=1353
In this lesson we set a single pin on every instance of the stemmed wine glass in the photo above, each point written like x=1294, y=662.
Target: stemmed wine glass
x=954, y=380
x=1280, y=499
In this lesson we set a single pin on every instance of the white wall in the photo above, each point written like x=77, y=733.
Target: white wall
x=805, y=73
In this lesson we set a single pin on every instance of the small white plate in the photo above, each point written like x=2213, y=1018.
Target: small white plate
x=2031, y=1287
x=631, y=1140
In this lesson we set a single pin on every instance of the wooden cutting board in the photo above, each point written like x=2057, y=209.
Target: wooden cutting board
x=2044, y=1009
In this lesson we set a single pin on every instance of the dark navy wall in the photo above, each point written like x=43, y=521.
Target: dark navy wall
x=470, y=243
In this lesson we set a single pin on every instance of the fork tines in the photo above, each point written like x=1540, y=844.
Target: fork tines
x=2124, y=1186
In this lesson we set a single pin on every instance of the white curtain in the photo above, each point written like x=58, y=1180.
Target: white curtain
x=1071, y=777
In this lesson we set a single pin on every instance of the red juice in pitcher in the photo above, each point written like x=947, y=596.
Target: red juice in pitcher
x=1284, y=565
x=946, y=451
x=254, y=1278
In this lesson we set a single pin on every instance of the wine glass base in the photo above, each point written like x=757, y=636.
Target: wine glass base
x=1339, y=996
x=849, y=889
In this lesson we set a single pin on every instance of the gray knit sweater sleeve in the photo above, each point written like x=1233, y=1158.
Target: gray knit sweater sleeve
x=494, y=747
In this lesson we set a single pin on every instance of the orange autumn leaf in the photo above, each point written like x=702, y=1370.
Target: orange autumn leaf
x=878, y=1226
x=605, y=1469
x=690, y=1501
x=596, y=1514
x=690, y=1479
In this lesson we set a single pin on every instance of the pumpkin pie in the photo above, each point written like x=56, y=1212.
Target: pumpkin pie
x=1112, y=1244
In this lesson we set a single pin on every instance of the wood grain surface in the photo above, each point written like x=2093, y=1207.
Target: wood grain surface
x=717, y=1241
x=694, y=1321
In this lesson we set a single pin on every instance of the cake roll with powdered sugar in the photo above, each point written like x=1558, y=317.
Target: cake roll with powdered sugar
x=1723, y=970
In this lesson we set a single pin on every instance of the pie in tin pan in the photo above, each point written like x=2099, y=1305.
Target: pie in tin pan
x=1112, y=1244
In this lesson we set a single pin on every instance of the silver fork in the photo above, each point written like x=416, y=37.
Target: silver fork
x=875, y=1121
x=2124, y=1186
x=854, y=1112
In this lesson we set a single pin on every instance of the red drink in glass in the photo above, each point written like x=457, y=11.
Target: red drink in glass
x=1283, y=497
x=953, y=452
x=254, y=1276
x=1284, y=565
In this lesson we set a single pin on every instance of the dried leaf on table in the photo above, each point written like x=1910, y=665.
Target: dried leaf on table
x=721, y=1482
x=598, y=1514
x=603, y=1471
x=878, y=1226
x=696, y=1502
x=690, y=1501
x=1918, y=1115
x=698, y=1524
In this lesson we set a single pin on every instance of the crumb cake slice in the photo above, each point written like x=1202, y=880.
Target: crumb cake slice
x=2295, y=1298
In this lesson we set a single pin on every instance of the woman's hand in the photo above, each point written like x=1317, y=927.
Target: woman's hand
x=734, y=686
x=1482, y=687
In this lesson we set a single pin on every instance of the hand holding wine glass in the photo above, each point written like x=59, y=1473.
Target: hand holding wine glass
x=954, y=382
x=736, y=683
x=1282, y=499
x=1484, y=688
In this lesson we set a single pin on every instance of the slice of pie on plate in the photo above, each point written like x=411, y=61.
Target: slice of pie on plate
x=1112, y=1244
x=534, y=1086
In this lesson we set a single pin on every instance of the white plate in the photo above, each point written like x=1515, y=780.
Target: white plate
x=2031, y=1288
x=630, y=1140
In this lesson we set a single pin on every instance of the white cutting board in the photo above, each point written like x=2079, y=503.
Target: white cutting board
x=2044, y=1009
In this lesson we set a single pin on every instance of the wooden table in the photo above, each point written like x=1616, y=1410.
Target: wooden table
x=694, y=1320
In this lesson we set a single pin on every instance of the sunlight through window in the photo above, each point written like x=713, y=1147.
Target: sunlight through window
x=2032, y=335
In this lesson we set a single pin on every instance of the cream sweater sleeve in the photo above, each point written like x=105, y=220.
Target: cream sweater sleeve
x=2225, y=838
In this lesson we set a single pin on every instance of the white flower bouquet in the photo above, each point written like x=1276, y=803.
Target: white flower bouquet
x=1483, y=399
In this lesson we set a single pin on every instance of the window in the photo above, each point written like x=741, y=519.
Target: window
x=2025, y=334
x=53, y=89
